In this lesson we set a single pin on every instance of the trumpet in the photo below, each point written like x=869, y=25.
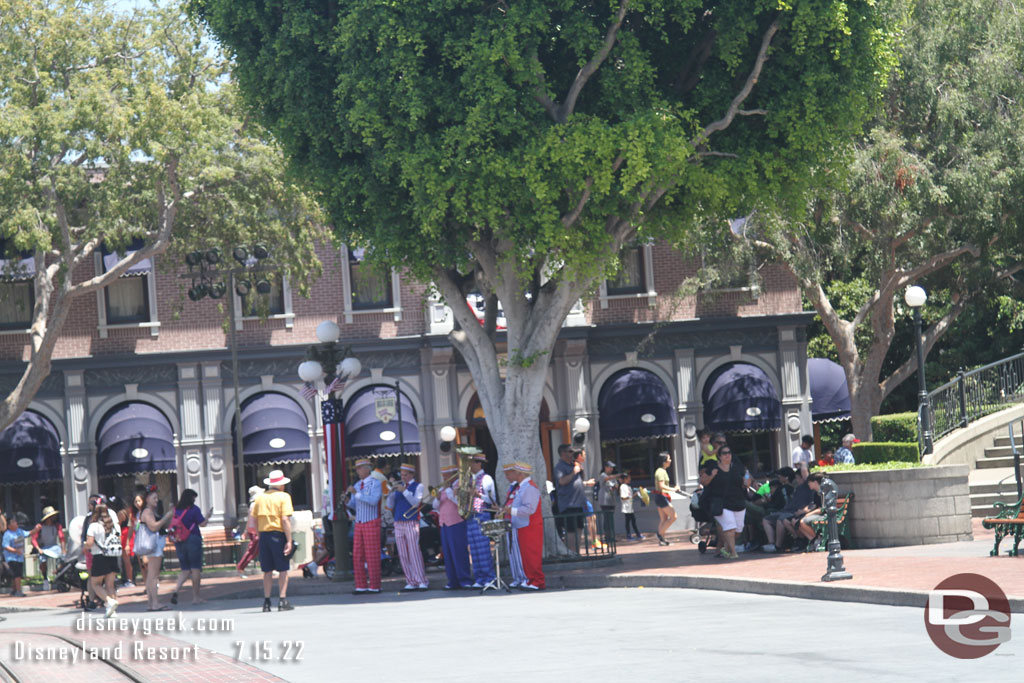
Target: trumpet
x=433, y=492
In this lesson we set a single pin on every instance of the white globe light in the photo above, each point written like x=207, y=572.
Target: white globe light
x=349, y=367
x=328, y=331
x=915, y=296
x=581, y=426
x=310, y=371
x=448, y=433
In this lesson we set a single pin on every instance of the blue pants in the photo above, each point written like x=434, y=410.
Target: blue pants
x=480, y=549
x=456, y=555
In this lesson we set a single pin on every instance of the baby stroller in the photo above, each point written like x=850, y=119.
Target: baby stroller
x=704, y=535
x=72, y=573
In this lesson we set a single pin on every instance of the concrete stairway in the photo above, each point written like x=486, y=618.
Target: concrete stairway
x=993, y=479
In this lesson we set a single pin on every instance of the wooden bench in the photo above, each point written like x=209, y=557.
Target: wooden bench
x=219, y=548
x=842, y=522
x=1009, y=521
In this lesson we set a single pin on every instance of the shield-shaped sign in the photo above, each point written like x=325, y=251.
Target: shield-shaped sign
x=385, y=406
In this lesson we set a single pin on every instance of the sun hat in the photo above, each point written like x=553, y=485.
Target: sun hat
x=276, y=478
x=48, y=512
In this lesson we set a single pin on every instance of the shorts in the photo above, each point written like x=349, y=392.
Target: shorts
x=731, y=520
x=190, y=553
x=807, y=519
x=661, y=501
x=272, y=551
x=103, y=565
x=17, y=569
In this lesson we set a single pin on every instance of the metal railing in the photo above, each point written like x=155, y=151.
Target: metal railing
x=976, y=393
x=587, y=537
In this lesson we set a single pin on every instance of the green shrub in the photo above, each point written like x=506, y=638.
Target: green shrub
x=900, y=427
x=890, y=465
x=885, y=451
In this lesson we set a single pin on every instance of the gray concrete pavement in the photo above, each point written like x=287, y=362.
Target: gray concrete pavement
x=594, y=636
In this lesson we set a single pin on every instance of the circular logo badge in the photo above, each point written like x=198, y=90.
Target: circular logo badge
x=753, y=411
x=387, y=435
x=139, y=453
x=24, y=463
x=648, y=418
x=277, y=442
x=967, y=616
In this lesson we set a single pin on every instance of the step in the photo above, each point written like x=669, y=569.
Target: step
x=991, y=463
x=1004, y=440
x=1007, y=487
x=982, y=511
x=990, y=498
x=999, y=451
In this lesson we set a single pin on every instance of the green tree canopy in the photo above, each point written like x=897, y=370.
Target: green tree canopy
x=117, y=127
x=513, y=147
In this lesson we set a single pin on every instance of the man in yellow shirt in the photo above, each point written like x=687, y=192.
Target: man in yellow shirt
x=271, y=514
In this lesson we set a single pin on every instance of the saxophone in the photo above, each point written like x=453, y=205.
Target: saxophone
x=466, y=491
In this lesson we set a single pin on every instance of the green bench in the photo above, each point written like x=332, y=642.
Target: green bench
x=1009, y=521
x=842, y=521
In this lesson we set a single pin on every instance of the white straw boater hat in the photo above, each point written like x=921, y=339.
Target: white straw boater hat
x=408, y=468
x=276, y=478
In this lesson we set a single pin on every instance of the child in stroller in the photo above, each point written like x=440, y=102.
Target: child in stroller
x=704, y=535
x=72, y=573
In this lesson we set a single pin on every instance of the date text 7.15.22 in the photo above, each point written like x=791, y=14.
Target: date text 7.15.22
x=269, y=650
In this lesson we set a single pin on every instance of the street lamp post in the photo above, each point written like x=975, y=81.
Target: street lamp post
x=341, y=366
x=916, y=297
x=205, y=272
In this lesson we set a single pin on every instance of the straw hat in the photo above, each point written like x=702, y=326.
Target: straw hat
x=363, y=462
x=276, y=478
x=521, y=466
x=407, y=468
x=48, y=512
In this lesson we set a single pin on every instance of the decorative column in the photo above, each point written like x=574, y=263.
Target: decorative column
x=689, y=409
x=796, y=413
x=80, y=468
x=190, y=441
x=220, y=483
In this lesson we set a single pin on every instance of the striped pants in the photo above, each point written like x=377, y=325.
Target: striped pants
x=525, y=552
x=480, y=549
x=366, y=554
x=407, y=538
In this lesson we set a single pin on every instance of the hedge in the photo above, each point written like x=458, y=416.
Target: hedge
x=885, y=451
x=901, y=427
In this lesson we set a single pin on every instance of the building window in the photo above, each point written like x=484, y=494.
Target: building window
x=371, y=284
x=368, y=288
x=127, y=300
x=255, y=304
x=16, y=302
x=630, y=278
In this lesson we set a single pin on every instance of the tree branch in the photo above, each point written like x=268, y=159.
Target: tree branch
x=571, y=217
x=755, y=73
x=565, y=111
x=932, y=335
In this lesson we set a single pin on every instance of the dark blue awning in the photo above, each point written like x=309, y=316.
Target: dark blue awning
x=739, y=397
x=635, y=404
x=830, y=395
x=135, y=437
x=274, y=429
x=371, y=424
x=111, y=258
x=29, y=450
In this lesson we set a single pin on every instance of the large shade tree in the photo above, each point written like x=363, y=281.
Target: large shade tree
x=512, y=148
x=121, y=129
x=934, y=196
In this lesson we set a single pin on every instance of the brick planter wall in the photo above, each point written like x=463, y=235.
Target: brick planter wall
x=914, y=506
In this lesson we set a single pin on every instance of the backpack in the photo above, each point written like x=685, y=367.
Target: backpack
x=177, y=531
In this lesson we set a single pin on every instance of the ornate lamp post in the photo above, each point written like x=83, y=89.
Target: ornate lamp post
x=331, y=364
x=915, y=297
x=836, y=571
x=207, y=274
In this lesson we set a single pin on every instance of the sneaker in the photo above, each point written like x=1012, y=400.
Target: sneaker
x=46, y=585
x=111, y=607
x=640, y=537
x=126, y=584
x=360, y=591
x=283, y=605
x=266, y=604
x=528, y=587
x=629, y=537
x=768, y=548
x=373, y=591
x=174, y=598
x=423, y=587
x=410, y=587
x=477, y=584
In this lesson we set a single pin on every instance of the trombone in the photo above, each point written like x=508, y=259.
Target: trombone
x=432, y=493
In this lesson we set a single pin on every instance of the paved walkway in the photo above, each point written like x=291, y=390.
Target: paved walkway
x=897, y=576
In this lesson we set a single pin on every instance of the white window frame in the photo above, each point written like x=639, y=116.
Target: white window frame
x=27, y=330
x=101, y=303
x=346, y=294
x=288, y=316
x=651, y=295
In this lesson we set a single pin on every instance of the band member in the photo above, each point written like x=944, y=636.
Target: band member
x=405, y=501
x=479, y=545
x=526, y=539
x=365, y=495
x=453, y=535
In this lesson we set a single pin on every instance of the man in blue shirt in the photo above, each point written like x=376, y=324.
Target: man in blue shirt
x=569, y=485
x=14, y=553
x=844, y=456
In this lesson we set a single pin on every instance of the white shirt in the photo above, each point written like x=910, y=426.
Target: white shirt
x=104, y=543
x=626, y=498
x=801, y=454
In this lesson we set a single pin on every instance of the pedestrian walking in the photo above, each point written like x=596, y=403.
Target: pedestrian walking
x=663, y=491
x=188, y=542
x=48, y=540
x=149, y=544
x=14, y=554
x=103, y=541
x=271, y=516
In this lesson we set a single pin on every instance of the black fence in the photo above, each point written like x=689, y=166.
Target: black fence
x=974, y=394
x=586, y=536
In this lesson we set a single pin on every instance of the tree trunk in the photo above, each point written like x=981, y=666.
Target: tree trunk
x=865, y=402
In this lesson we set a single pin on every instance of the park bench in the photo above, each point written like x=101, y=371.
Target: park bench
x=219, y=549
x=1009, y=521
x=842, y=521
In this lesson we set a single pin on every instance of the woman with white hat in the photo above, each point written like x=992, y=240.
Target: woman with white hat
x=48, y=540
x=252, y=532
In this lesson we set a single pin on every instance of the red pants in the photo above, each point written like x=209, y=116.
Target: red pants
x=530, y=540
x=251, y=551
x=366, y=554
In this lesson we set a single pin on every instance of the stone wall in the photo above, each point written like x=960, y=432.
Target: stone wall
x=915, y=506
